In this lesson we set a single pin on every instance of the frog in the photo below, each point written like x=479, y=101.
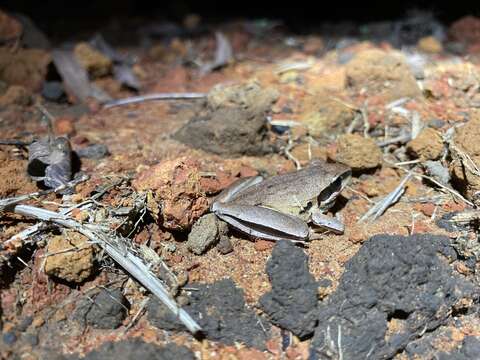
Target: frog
x=281, y=207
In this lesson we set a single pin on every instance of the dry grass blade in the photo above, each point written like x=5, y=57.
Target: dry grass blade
x=9, y=202
x=152, y=97
x=119, y=250
x=465, y=217
x=379, y=208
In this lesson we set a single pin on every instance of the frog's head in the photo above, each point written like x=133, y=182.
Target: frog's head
x=340, y=177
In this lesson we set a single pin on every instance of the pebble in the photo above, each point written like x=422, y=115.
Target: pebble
x=9, y=338
x=93, y=151
x=53, y=90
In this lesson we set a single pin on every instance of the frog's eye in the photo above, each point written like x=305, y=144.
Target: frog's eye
x=328, y=195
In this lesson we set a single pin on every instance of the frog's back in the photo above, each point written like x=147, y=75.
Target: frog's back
x=282, y=191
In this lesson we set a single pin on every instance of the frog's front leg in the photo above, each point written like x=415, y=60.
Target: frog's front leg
x=263, y=222
x=327, y=222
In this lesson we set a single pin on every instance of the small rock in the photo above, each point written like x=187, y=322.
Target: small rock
x=231, y=121
x=438, y=171
x=436, y=123
x=428, y=145
x=38, y=322
x=430, y=44
x=10, y=28
x=357, y=152
x=224, y=246
x=92, y=60
x=65, y=125
x=53, y=90
x=467, y=140
x=176, y=190
x=324, y=116
x=9, y=338
x=382, y=73
x=245, y=95
x=205, y=233
x=466, y=30
x=93, y=151
x=313, y=45
x=75, y=265
x=16, y=95
x=427, y=209
x=24, y=324
x=107, y=311
x=263, y=245
x=32, y=36
x=26, y=67
x=306, y=152
x=30, y=338
x=324, y=288
x=292, y=303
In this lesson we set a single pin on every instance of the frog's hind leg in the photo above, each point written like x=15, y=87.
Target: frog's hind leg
x=264, y=223
x=237, y=187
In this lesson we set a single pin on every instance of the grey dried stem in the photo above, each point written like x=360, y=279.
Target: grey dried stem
x=152, y=97
x=9, y=202
x=379, y=208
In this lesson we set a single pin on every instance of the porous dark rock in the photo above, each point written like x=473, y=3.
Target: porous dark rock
x=293, y=300
x=392, y=291
x=107, y=311
x=469, y=350
x=447, y=342
x=134, y=349
x=220, y=310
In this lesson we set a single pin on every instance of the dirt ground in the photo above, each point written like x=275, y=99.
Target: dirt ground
x=275, y=104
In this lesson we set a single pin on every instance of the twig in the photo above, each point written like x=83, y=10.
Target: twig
x=366, y=124
x=8, y=202
x=401, y=139
x=379, y=208
x=14, y=142
x=289, y=146
x=116, y=247
x=439, y=184
x=155, y=96
x=143, y=304
x=23, y=235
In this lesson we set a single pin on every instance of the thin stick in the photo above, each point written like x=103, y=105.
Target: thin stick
x=289, y=155
x=23, y=235
x=379, y=208
x=401, y=139
x=120, y=253
x=143, y=304
x=8, y=202
x=155, y=96
x=14, y=142
x=439, y=184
